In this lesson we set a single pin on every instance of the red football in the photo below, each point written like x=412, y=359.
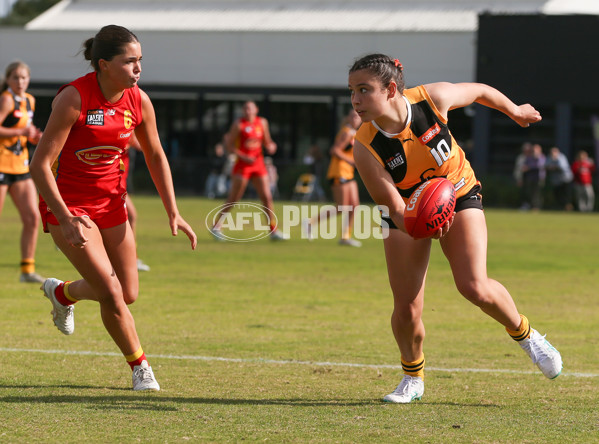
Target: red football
x=429, y=207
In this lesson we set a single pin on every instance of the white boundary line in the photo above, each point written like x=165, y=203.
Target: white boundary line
x=290, y=362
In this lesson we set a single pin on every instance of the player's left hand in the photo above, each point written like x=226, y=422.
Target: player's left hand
x=178, y=223
x=271, y=148
x=442, y=231
x=525, y=115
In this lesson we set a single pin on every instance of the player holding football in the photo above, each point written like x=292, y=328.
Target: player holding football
x=77, y=169
x=404, y=141
x=245, y=139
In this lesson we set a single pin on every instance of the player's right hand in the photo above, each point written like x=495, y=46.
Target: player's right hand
x=73, y=230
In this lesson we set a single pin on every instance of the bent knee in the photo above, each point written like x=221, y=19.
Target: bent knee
x=477, y=292
x=114, y=294
x=130, y=297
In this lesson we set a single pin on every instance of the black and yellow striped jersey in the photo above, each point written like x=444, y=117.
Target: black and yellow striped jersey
x=14, y=156
x=339, y=168
x=423, y=150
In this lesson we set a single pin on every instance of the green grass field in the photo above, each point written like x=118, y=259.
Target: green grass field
x=290, y=342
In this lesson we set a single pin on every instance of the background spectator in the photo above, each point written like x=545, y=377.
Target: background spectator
x=559, y=177
x=583, y=169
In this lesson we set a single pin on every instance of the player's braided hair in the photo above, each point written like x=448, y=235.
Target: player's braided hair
x=383, y=67
x=106, y=44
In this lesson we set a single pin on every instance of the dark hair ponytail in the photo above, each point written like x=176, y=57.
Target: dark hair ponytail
x=106, y=44
x=382, y=67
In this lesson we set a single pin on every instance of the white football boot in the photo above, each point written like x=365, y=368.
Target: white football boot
x=350, y=242
x=278, y=236
x=543, y=354
x=217, y=234
x=411, y=388
x=32, y=278
x=62, y=315
x=143, y=377
x=142, y=266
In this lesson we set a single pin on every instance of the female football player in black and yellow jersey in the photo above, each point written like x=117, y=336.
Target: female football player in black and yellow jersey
x=341, y=178
x=16, y=131
x=403, y=141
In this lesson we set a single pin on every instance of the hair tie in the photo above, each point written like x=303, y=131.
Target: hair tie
x=397, y=64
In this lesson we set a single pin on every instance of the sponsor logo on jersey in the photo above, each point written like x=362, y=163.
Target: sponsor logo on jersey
x=110, y=112
x=430, y=133
x=95, y=117
x=99, y=155
x=256, y=129
x=18, y=113
x=395, y=161
x=125, y=135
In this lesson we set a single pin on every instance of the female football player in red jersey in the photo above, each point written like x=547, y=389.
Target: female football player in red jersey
x=16, y=113
x=245, y=139
x=342, y=181
x=403, y=141
x=77, y=169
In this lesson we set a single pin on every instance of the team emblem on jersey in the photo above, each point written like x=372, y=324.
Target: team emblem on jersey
x=395, y=161
x=95, y=117
x=99, y=155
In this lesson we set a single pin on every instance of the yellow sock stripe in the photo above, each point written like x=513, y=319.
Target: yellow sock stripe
x=414, y=368
x=66, y=292
x=523, y=331
x=135, y=356
x=27, y=265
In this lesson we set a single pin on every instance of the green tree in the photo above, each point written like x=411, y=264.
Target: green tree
x=24, y=11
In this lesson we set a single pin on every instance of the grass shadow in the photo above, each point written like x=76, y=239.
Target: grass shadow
x=154, y=400
x=160, y=401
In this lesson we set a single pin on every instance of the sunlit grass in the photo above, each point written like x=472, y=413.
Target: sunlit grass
x=303, y=304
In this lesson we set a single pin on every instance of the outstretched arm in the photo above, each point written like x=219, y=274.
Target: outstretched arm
x=147, y=135
x=448, y=96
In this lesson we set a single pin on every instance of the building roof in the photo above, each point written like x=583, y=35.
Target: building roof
x=297, y=16
x=572, y=7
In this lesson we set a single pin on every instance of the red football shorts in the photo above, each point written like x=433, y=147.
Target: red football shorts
x=249, y=170
x=106, y=213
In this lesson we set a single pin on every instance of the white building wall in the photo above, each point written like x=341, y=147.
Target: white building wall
x=286, y=59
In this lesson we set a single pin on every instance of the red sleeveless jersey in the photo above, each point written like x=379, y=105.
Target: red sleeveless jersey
x=251, y=137
x=89, y=168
